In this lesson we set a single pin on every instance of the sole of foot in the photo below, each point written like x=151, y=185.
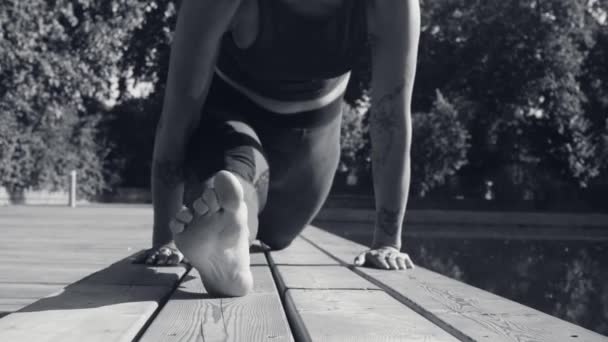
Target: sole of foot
x=213, y=235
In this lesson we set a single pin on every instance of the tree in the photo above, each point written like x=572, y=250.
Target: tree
x=58, y=63
x=513, y=69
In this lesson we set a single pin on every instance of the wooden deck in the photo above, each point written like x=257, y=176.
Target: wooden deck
x=66, y=275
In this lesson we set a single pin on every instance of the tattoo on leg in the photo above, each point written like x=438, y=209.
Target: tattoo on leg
x=388, y=221
x=168, y=172
x=261, y=184
x=383, y=125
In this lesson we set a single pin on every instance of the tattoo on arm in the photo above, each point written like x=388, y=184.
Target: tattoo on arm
x=168, y=172
x=388, y=221
x=383, y=124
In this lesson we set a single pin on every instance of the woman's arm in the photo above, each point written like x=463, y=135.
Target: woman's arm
x=200, y=26
x=394, y=27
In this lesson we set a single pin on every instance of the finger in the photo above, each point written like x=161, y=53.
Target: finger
x=408, y=262
x=176, y=226
x=392, y=262
x=162, y=258
x=151, y=259
x=379, y=262
x=184, y=215
x=175, y=258
x=200, y=207
x=210, y=199
x=163, y=255
x=360, y=259
x=401, y=263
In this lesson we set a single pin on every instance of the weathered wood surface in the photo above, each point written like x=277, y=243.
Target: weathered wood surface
x=113, y=304
x=192, y=315
x=85, y=313
x=44, y=248
x=465, y=311
x=347, y=315
x=301, y=252
x=322, y=277
x=328, y=302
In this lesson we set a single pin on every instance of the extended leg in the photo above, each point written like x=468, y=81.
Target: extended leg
x=219, y=222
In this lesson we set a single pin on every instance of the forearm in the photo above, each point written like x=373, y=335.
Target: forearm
x=200, y=26
x=394, y=34
x=390, y=131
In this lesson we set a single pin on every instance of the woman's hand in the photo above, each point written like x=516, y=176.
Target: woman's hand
x=387, y=258
x=165, y=255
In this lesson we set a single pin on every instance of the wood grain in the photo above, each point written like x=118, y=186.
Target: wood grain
x=322, y=277
x=192, y=315
x=466, y=311
x=338, y=315
x=85, y=313
x=301, y=252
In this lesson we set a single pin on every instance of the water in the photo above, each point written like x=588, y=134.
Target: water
x=566, y=279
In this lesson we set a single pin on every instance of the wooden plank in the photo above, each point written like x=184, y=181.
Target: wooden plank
x=301, y=252
x=17, y=295
x=465, y=311
x=109, y=305
x=125, y=272
x=257, y=255
x=192, y=315
x=338, y=315
x=44, y=274
x=322, y=277
x=325, y=302
x=85, y=313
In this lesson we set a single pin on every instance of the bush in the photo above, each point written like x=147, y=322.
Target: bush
x=58, y=65
x=439, y=145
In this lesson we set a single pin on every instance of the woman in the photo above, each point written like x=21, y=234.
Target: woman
x=248, y=141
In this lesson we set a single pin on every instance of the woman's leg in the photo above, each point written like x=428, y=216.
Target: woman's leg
x=224, y=164
x=303, y=162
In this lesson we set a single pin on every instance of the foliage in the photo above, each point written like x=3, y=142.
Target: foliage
x=523, y=101
x=514, y=69
x=354, y=138
x=439, y=147
x=57, y=64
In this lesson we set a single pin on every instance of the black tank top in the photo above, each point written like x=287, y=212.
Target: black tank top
x=296, y=57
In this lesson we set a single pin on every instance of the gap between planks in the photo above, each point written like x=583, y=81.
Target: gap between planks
x=335, y=303
x=468, y=313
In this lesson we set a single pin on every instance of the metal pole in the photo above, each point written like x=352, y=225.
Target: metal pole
x=73, y=189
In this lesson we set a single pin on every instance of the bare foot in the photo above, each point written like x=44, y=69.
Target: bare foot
x=214, y=237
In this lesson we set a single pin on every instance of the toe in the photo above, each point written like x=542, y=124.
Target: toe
x=176, y=226
x=210, y=200
x=200, y=207
x=184, y=215
x=229, y=190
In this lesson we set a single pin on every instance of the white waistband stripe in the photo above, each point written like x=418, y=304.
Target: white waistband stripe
x=287, y=107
